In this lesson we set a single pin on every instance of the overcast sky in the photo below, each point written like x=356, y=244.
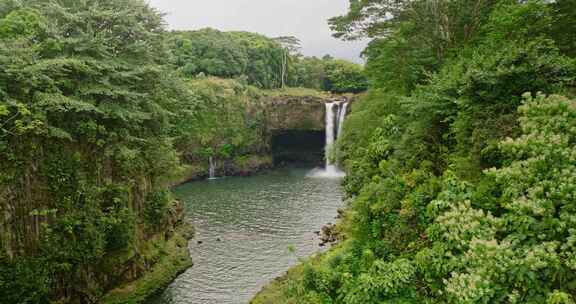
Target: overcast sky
x=305, y=19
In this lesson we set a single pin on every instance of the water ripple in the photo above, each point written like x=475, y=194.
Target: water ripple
x=246, y=226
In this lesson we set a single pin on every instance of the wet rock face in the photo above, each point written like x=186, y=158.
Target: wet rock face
x=296, y=127
x=296, y=113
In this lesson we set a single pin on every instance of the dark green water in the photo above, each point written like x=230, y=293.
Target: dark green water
x=246, y=226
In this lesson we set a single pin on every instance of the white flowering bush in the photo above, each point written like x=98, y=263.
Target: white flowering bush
x=526, y=254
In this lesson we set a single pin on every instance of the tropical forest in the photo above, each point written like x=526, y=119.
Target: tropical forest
x=142, y=162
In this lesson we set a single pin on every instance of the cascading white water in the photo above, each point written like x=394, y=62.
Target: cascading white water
x=341, y=117
x=212, y=170
x=333, y=119
x=330, y=136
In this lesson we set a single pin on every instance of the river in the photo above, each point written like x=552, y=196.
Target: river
x=244, y=229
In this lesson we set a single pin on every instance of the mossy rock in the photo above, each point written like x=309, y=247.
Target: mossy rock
x=173, y=258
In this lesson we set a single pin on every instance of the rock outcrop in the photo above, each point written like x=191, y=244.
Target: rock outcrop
x=297, y=112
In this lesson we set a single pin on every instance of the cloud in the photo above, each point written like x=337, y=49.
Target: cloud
x=305, y=19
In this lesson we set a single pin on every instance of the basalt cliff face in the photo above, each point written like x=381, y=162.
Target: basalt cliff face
x=292, y=131
x=79, y=253
x=296, y=128
x=297, y=112
x=75, y=223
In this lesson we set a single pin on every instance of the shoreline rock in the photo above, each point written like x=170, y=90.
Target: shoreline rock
x=171, y=258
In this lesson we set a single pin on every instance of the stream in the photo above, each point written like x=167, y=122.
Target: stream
x=244, y=229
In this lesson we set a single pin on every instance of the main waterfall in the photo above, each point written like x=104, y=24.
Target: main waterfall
x=335, y=116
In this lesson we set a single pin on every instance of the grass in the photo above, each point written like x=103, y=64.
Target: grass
x=295, y=92
x=275, y=292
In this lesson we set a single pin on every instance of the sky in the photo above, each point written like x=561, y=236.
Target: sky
x=305, y=19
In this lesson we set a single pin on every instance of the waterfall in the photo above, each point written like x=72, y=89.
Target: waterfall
x=212, y=169
x=330, y=136
x=341, y=117
x=334, y=123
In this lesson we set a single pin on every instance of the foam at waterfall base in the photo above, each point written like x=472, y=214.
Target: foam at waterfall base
x=331, y=172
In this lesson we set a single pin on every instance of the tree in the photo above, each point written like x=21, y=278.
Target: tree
x=418, y=34
x=87, y=104
x=290, y=46
x=344, y=77
x=564, y=25
x=239, y=55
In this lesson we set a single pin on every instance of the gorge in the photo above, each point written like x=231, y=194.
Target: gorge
x=246, y=226
x=441, y=170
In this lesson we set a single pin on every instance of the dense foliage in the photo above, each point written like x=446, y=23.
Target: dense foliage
x=85, y=112
x=228, y=54
x=329, y=74
x=460, y=158
x=93, y=122
x=261, y=61
x=229, y=123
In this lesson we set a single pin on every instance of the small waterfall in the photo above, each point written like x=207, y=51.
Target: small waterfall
x=334, y=123
x=212, y=170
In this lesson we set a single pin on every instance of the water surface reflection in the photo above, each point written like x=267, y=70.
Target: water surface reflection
x=245, y=226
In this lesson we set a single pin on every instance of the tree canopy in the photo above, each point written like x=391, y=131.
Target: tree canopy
x=264, y=62
x=460, y=158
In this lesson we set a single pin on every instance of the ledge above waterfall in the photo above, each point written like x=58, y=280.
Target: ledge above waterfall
x=297, y=112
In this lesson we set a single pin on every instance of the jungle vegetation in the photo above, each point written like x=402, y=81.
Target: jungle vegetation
x=461, y=158
x=256, y=60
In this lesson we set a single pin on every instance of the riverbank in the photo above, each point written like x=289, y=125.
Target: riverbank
x=280, y=289
x=164, y=259
x=277, y=290
x=166, y=256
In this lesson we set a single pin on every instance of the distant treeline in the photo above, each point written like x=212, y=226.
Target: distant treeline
x=261, y=61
